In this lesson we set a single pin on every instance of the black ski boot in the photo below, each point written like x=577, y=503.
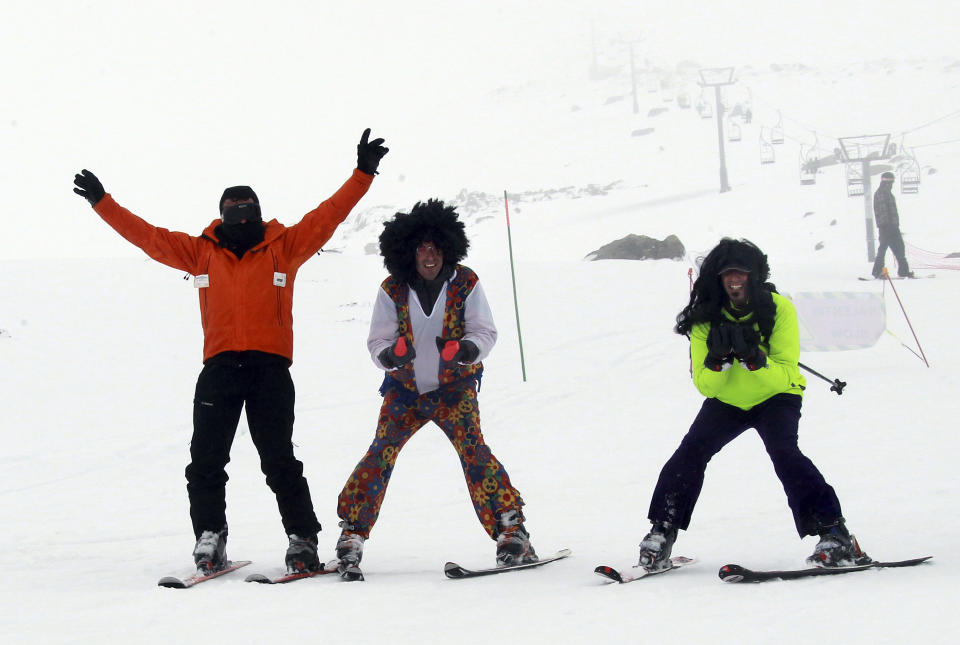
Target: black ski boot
x=837, y=547
x=302, y=554
x=349, y=552
x=210, y=552
x=513, y=541
x=656, y=547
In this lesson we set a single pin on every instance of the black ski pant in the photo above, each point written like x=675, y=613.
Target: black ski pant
x=265, y=387
x=890, y=237
x=811, y=499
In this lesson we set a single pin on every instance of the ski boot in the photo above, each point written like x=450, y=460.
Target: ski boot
x=349, y=552
x=210, y=552
x=302, y=555
x=656, y=546
x=513, y=541
x=837, y=547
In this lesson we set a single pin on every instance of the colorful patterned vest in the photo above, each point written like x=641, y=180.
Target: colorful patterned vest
x=458, y=289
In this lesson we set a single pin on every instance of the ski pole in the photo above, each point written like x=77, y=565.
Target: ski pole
x=836, y=384
x=886, y=274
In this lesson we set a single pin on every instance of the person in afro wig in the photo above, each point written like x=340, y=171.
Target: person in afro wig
x=431, y=221
x=431, y=327
x=744, y=353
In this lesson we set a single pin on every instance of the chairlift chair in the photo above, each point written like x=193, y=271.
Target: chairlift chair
x=767, y=154
x=776, y=132
x=854, y=177
x=705, y=110
x=909, y=181
x=734, y=134
x=809, y=163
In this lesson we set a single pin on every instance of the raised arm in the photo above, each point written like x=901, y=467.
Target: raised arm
x=177, y=250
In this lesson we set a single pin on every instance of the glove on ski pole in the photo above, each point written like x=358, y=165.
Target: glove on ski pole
x=397, y=355
x=462, y=351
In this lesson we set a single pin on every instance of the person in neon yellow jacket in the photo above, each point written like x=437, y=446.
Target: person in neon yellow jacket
x=744, y=352
x=735, y=383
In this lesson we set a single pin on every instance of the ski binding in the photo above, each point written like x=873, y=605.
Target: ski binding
x=172, y=582
x=329, y=567
x=637, y=572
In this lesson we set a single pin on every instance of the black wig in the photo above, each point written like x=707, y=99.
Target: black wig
x=431, y=221
x=708, y=297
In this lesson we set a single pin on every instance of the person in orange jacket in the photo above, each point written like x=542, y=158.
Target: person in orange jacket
x=247, y=344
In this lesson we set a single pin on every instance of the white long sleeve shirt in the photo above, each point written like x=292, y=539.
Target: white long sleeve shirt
x=478, y=329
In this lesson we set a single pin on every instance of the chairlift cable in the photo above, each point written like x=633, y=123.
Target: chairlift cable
x=938, y=143
x=790, y=118
x=943, y=118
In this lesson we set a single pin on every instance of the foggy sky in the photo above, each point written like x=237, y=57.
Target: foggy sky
x=171, y=101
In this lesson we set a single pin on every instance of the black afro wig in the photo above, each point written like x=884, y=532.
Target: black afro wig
x=708, y=297
x=427, y=221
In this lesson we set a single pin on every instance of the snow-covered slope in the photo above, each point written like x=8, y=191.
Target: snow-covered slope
x=100, y=355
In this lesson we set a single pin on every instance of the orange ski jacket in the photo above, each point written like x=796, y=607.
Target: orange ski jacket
x=245, y=304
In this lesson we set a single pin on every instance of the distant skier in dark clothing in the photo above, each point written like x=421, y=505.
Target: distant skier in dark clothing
x=888, y=228
x=744, y=348
x=244, y=270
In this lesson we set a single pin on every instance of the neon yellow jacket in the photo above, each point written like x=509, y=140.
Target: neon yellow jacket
x=739, y=386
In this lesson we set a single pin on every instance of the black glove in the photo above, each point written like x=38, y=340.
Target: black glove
x=719, y=347
x=746, y=347
x=460, y=351
x=88, y=187
x=369, y=153
x=397, y=355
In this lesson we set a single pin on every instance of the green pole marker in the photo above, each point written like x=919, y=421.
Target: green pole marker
x=513, y=278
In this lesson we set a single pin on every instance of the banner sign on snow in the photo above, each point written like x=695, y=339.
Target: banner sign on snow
x=839, y=320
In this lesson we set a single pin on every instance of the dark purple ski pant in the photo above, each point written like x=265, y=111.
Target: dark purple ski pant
x=811, y=499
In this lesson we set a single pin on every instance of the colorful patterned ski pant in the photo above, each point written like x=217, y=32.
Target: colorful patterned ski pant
x=454, y=409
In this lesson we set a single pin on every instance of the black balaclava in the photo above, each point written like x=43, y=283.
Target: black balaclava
x=886, y=180
x=239, y=237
